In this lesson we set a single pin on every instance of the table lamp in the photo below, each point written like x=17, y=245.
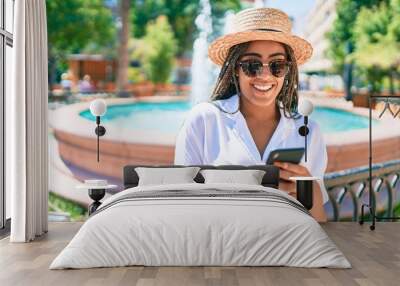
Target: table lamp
x=98, y=108
x=304, y=185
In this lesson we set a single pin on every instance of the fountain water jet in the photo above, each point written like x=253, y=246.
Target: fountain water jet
x=201, y=66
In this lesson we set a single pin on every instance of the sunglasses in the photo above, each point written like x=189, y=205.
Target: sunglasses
x=253, y=68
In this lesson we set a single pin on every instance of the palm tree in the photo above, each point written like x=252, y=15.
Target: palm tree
x=123, y=56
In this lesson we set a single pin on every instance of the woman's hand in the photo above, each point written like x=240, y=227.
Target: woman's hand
x=288, y=170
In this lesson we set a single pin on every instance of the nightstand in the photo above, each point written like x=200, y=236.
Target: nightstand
x=96, y=190
x=304, y=190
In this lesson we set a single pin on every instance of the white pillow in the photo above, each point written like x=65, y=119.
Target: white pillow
x=162, y=176
x=249, y=177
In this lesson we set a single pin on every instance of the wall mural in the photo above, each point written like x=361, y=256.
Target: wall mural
x=157, y=69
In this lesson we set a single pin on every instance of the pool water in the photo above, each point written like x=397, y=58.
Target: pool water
x=169, y=116
x=162, y=117
x=336, y=120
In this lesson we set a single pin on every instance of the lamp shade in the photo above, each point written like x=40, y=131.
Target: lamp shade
x=305, y=107
x=98, y=107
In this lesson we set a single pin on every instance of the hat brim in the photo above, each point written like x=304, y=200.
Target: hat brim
x=218, y=50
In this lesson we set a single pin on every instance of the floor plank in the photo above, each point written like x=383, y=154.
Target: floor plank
x=374, y=255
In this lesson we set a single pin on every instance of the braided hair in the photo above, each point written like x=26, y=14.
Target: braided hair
x=227, y=82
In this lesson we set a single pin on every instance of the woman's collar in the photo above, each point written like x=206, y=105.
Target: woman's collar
x=229, y=105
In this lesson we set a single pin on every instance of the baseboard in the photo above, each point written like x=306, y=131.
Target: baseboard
x=5, y=231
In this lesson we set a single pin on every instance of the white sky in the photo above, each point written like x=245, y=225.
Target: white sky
x=298, y=9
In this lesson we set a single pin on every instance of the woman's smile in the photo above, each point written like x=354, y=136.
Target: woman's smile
x=263, y=87
x=266, y=89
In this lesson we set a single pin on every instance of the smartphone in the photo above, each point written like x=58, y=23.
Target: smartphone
x=291, y=155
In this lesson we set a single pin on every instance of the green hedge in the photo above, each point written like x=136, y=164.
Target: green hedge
x=60, y=204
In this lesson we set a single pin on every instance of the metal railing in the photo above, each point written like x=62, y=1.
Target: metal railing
x=348, y=190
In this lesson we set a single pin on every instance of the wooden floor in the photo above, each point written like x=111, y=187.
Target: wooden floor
x=374, y=255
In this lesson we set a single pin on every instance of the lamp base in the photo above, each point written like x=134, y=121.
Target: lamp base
x=96, y=195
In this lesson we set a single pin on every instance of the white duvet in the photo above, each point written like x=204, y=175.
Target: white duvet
x=183, y=231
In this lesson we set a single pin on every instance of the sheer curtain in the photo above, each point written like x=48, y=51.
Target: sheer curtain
x=26, y=123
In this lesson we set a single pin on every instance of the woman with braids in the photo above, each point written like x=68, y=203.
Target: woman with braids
x=253, y=108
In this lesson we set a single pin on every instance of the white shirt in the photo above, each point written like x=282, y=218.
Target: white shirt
x=210, y=136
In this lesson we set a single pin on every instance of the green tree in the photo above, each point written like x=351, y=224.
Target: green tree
x=160, y=49
x=74, y=25
x=342, y=34
x=377, y=42
x=181, y=15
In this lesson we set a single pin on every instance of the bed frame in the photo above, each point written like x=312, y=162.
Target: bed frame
x=270, y=179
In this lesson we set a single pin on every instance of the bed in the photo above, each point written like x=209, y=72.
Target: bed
x=201, y=224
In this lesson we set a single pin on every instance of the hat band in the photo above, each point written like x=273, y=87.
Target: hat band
x=269, y=30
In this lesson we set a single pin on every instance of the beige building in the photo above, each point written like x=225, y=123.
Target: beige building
x=318, y=22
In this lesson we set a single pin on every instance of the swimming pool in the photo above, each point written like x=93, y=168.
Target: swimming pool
x=168, y=117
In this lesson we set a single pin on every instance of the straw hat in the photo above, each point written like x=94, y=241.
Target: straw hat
x=260, y=24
